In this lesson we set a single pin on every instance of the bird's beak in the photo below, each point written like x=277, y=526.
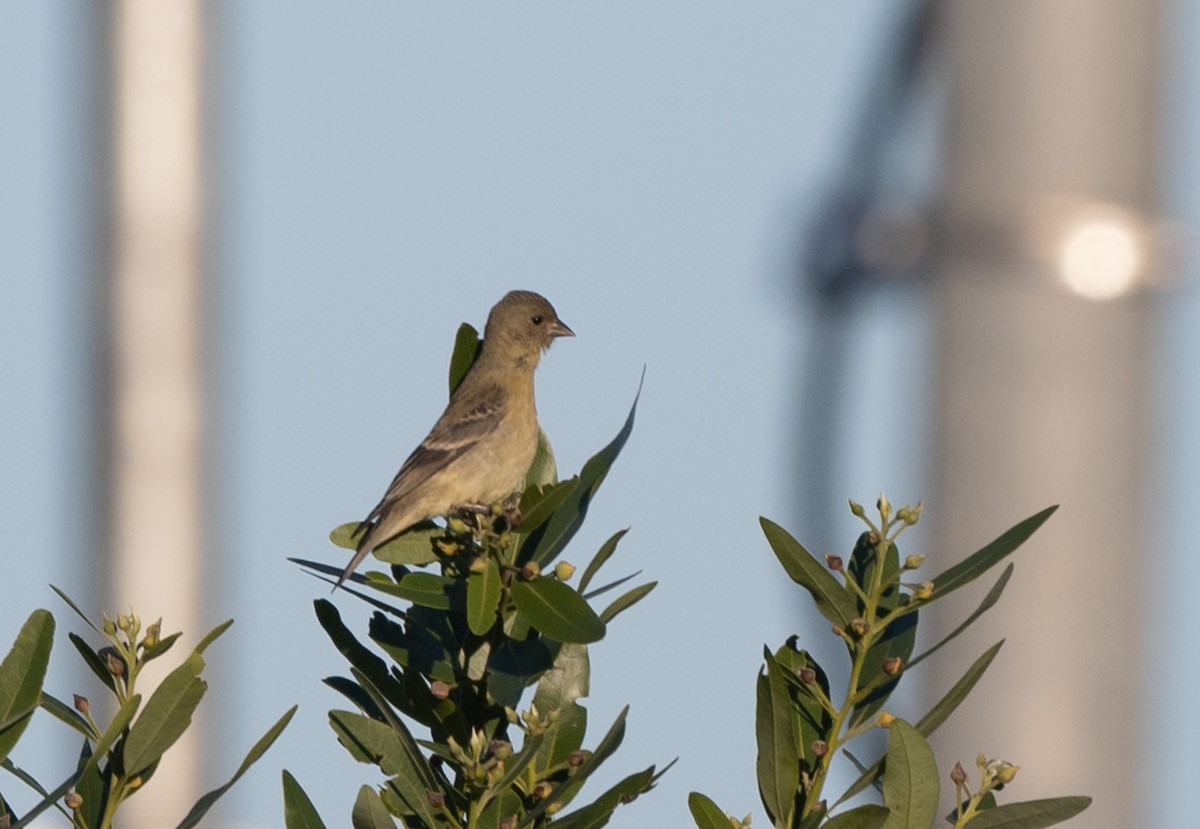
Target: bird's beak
x=559, y=329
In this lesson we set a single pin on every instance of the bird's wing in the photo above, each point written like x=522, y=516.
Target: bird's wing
x=461, y=427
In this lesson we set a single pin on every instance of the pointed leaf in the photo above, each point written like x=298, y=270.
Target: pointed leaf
x=166, y=716
x=548, y=540
x=483, y=598
x=211, y=637
x=599, y=812
x=802, y=568
x=980, y=561
x=706, y=813
x=92, y=659
x=21, y=676
x=396, y=754
x=778, y=762
x=910, y=787
x=425, y=589
x=940, y=712
x=466, y=350
x=65, y=713
x=626, y=601
x=868, y=816
x=557, y=611
x=539, y=502
x=608, y=744
x=1031, y=814
x=298, y=810
x=602, y=555
x=369, y=811
x=256, y=751
x=989, y=600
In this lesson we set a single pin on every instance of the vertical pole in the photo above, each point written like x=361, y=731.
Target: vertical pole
x=154, y=475
x=1041, y=393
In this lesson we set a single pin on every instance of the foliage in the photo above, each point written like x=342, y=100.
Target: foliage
x=119, y=758
x=496, y=616
x=874, y=610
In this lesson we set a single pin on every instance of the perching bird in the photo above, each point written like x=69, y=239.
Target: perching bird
x=482, y=446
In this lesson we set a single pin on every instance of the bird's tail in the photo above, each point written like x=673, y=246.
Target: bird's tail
x=365, y=545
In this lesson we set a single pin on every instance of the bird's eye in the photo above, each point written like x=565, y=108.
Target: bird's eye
x=537, y=319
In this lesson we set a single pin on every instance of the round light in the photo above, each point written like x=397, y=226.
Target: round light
x=1100, y=258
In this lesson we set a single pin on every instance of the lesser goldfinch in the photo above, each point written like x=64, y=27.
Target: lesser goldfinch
x=482, y=446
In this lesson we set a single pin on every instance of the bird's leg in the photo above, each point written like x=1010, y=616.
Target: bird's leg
x=472, y=514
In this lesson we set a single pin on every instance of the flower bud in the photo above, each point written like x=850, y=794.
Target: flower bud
x=496, y=509
x=542, y=790
x=136, y=782
x=577, y=757
x=81, y=704
x=509, y=822
x=501, y=749
x=913, y=562
x=153, y=634
x=436, y=799
x=885, y=719
x=478, y=565
x=123, y=622
x=857, y=509
x=1002, y=771
x=447, y=547
x=564, y=570
x=834, y=562
x=892, y=665
x=958, y=775
x=457, y=526
x=808, y=676
x=859, y=626
x=110, y=627
x=924, y=591
x=820, y=748
x=439, y=689
x=885, y=508
x=73, y=800
x=116, y=666
x=530, y=571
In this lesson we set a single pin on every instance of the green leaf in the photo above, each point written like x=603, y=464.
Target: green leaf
x=802, y=568
x=548, y=540
x=298, y=810
x=116, y=728
x=941, y=711
x=599, y=812
x=21, y=676
x=544, y=469
x=167, y=714
x=602, y=555
x=910, y=787
x=466, y=350
x=566, y=682
x=982, y=560
x=413, y=546
x=256, y=751
x=500, y=808
x=539, y=502
x=706, y=813
x=868, y=816
x=557, y=611
x=71, y=604
x=811, y=720
x=1031, y=814
x=370, y=812
x=778, y=761
x=211, y=637
x=937, y=715
x=483, y=598
x=607, y=745
x=65, y=713
x=396, y=754
x=98, y=666
x=425, y=589
x=626, y=601
x=989, y=600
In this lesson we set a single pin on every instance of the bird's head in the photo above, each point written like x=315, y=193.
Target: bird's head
x=525, y=324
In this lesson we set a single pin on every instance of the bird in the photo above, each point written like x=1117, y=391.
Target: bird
x=482, y=446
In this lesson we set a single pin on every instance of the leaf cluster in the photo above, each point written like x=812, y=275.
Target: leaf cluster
x=494, y=615
x=117, y=758
x=802, y=724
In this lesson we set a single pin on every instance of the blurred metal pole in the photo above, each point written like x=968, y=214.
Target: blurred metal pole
x=154, y=470
x=1042, y=394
